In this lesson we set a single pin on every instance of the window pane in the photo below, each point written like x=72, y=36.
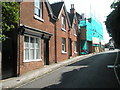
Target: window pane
x=40, y=13
x=38, y=8
x=74, y=29
x=41, y=5
x=63, y=48
x=62, y=40
x=37, y=3
x=37, y=54
x=63, y=44
x=74, y=46
x=26, y=41
x=32, y=40
x=31, y=54
x=63, y=22
x=26, y=44
x=37, y=43
x=26, y=51
x=37, y=11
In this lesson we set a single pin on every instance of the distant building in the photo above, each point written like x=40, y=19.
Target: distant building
x=92, y=35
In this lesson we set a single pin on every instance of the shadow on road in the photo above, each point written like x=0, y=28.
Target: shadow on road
x=89, y=73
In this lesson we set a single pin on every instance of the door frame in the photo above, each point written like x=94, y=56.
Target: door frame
x=46, y=51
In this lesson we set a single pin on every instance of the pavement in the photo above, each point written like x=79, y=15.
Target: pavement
x=24, y=78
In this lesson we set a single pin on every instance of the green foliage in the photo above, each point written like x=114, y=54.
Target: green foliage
x=114, y=5
x=113, y=22
x=10, y=16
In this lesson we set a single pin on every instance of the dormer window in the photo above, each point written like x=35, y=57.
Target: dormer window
x=63, y=23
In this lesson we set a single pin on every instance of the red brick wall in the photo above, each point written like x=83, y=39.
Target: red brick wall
x=73, y=38
x=59, y=35
x=27, y=18
x=83, y=34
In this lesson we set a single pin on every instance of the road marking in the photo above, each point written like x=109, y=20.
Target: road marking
x=115, y=68
x=111, y=66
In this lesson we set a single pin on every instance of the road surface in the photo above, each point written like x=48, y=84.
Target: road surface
x=93, y=72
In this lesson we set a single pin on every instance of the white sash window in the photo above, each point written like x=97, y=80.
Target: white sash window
x=63, y=45
x=38, y=8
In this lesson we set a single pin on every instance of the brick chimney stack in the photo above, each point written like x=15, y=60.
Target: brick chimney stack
x=72, y=10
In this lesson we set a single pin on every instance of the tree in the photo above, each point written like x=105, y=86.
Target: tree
x=113, y=22
x=10, y=16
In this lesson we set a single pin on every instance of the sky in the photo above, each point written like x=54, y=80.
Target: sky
x=100, y=8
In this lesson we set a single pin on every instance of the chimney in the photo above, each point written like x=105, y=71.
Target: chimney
x=72, y=10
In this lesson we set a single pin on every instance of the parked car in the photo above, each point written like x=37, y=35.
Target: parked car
x=83, y=52
x=111, y=47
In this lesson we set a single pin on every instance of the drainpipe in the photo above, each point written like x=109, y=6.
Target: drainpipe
x=55, y=41
x=69, y=42
x=18, y=45
x=0, y=43
x=18, y=55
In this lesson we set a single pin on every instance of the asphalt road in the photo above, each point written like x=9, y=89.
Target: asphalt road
x=93, y=72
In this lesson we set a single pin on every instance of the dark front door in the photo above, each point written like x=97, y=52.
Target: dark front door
x=8, y=61
x=70, y=46
x=46, y=52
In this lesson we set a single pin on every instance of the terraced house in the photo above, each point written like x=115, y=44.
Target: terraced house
x=46, y=35
x=62, y=26
x=37, y=37
x=35, y=41
x=74, y=33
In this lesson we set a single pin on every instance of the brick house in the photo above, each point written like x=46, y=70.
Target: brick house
x=62, y=26
x=43, y=37
x=36, y=39
x=74, y=33
x=73, y=51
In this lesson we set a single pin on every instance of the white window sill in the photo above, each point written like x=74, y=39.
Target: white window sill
x=75, y=35
x=63, y=52
x=38, y=18
x=75, y=52
x=63, y=30
x=32, y=60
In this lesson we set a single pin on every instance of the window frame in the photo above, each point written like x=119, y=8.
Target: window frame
x=75, y=47
x=35, y=49
x=40, y=10
x=64, y=45
x=63, y=22
x=75, y=30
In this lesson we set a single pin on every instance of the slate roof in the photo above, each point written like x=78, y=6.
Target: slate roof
x=71, y=17
x=56, y=8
